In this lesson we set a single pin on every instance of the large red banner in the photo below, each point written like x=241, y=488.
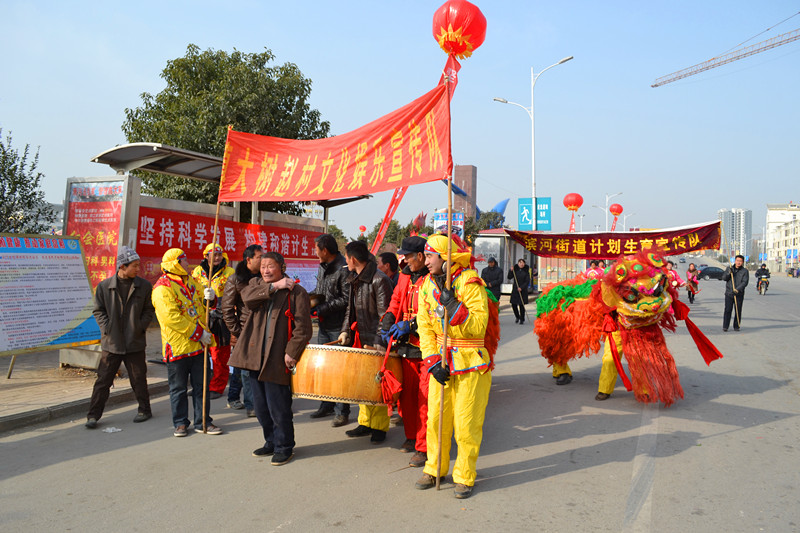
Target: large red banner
x=608, y=245
x=160, y=230
x=93, y=217
x=408, y=146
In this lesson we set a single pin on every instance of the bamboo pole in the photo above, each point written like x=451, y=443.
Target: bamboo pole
x=446, y=320
x=210, y=260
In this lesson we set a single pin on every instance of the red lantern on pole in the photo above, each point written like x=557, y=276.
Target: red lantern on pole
x=362, y=229
x=459, y=27
x=616, y=210
x=573, y=201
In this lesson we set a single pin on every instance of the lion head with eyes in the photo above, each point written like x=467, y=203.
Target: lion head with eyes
x=636, y=286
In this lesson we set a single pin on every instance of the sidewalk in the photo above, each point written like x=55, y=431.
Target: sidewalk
x=39, y=390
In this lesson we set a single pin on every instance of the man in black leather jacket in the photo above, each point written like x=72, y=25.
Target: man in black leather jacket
x=330, y=312
x=368, y=299
x=736, y=279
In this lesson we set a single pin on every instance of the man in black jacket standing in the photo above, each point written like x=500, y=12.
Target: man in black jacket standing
x=332, y=288
x=123, y=310
x=736, y=279
x=519, y=292
x=493, y=276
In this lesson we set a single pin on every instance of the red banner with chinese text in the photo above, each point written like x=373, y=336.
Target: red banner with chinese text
x=408, y=146
x=160, y=230
x=94, y=216
x=672, y=241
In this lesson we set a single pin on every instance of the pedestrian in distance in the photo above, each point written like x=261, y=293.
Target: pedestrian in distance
x=123, y=310
x=736, y=279
x=493, y=276
x=519, y=292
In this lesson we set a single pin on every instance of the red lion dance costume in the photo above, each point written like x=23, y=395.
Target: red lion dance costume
x=631, y=297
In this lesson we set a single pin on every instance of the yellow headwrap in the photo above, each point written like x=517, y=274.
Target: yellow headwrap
x=211, y=247
x=171, y=262
x=438, y=244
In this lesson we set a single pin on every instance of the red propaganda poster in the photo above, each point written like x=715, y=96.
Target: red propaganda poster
x=159, y=230
x=94, y=217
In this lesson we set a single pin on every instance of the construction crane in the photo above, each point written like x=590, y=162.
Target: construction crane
x=729, y=58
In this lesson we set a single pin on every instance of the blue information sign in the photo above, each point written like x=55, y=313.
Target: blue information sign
x=525, y=214
x=543, y=213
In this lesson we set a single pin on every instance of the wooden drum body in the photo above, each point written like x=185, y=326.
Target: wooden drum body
x=342, y=374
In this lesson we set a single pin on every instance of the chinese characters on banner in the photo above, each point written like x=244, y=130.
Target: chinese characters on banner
x=609, y=245
x=408, y=146
x=159, y=230
x=94, y=217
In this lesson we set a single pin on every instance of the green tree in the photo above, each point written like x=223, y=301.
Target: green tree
x=207, y=91
x=23, y=208
x=487, y=220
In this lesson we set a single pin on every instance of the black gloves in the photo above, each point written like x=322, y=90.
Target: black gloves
x=449, y=300
x=439, y=372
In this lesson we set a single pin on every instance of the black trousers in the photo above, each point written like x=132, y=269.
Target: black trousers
x=136, y=366
x=519, y=310
x=273, y=406
x=726, y=317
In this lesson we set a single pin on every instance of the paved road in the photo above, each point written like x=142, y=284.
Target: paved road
x=723, y=459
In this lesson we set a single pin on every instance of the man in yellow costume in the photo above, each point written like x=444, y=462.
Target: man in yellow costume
x=464, y=370
x=212, y=274
x=180, y=311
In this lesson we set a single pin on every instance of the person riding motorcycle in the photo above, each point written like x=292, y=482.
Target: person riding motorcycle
x=762, y=275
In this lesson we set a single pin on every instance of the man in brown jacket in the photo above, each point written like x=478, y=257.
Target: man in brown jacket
x=123, y=310
x=270, y=344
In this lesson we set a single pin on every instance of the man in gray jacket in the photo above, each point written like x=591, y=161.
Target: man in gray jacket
x=736, y=279
x=123, y=310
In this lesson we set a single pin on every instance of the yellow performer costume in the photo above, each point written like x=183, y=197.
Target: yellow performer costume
x=608, y=372
x=466, y=393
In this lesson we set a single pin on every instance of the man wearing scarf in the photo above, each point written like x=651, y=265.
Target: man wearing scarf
x=463, y=370
x=212, y=274
x=179, y=306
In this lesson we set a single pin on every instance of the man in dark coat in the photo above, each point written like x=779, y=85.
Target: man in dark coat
x=736, y=279
x=493, y=277
x=331, y=287
x=370, y=293
x=519, y=292
x=269, y=347
x=123, y=310
x=235, y=315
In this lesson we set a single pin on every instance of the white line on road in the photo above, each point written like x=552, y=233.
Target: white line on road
x=638, y=508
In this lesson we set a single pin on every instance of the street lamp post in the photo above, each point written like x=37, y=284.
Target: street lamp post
x=581, y=217
x=625, y=221
x=608, y=197
x=529, y=110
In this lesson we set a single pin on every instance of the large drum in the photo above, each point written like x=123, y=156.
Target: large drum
x=342, y=374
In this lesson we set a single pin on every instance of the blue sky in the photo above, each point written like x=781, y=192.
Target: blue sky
x=724, y=138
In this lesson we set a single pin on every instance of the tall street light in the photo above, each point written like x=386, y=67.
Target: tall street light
x=529, y=110
x=581, y=217
x=608, y=197
x=625, y=221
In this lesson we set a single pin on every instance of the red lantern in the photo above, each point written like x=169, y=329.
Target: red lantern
x=459, y=27
x=573, y=201
x=615, y=210
x=362, y=229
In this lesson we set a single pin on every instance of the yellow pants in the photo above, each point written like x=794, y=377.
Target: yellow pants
x=465, y=399
x=608, y=373
x=560, y=369
x=374, y=417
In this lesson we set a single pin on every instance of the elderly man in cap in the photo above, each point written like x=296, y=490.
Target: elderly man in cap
x=399, y=325
x=123, y=311
x=180, y=310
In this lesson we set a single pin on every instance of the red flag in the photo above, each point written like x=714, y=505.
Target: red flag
x=450, y=71
x=396, y=198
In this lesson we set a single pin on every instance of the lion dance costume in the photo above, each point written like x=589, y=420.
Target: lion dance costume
x=630, y=304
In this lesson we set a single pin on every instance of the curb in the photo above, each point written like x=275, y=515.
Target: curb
x=45, y=414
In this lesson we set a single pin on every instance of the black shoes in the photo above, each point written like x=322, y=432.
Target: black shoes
x=564, y=379
x=516, y=321
x=141, y=417
x=602, y=396
x=280, y=459
x=378, y=436
x=91, y=423
x=267, y=449
x=339, y=420
x=322, y=412
x=360, y=431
